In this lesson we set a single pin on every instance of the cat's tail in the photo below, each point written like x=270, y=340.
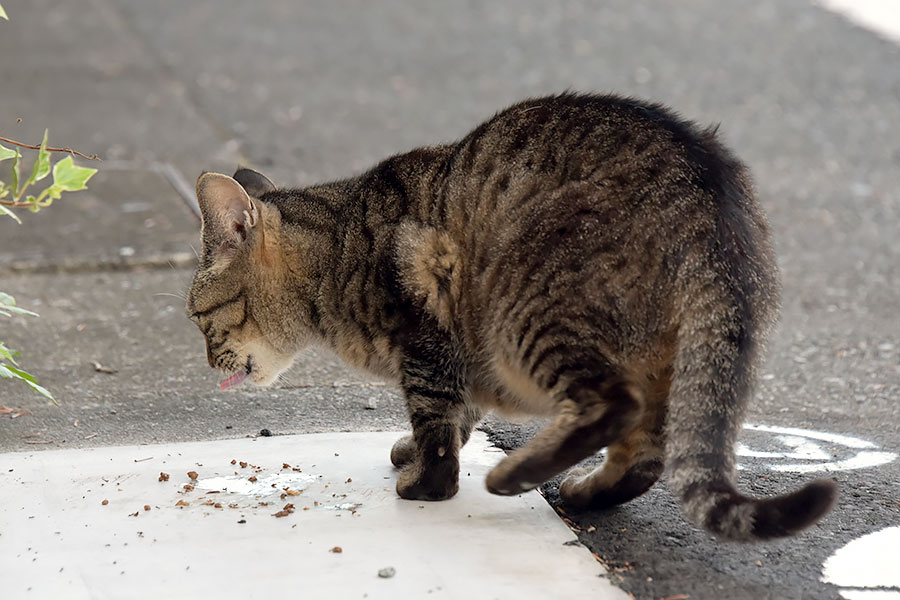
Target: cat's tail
x=712, y=379
x=719, y=342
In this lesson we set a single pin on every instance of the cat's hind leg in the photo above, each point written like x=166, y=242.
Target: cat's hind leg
x=632, y=464
x=595, y=411
x=625, y=474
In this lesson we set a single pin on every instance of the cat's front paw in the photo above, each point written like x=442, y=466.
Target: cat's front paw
x=404, y=451
x=435, y=481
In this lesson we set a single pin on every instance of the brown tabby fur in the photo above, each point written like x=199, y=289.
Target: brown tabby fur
x=592, y=258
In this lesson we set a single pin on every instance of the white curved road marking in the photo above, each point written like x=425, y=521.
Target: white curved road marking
x=866, y=568
x=881, y=16
x=804, y=445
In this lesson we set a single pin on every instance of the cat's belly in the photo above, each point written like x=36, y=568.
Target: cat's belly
x=514, y=394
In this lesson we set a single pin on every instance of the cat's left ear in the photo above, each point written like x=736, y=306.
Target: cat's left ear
x=228, y=212
x=255, y=183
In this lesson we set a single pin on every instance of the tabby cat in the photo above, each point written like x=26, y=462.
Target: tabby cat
x=591, y=258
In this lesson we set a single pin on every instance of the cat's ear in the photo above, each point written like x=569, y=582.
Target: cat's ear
x=256, y=184
x=228, y=212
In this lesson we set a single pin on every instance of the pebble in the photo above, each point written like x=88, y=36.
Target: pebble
x=387, y=572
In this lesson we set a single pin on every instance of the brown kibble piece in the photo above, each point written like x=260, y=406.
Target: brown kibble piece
x=337, y=550
x=253, y=478
x=243, y=465
x=285, y=466
x=189, y=487
x=182, y=503
x=349, y=480
x=134, y=514
x=146, y=507
x=105, y=502
x=217, y=505
x=291, y=492
x=234, y=462
x=163, y=476
x=193, y=474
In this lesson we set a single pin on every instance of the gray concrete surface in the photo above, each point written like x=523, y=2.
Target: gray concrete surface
x=316, y=91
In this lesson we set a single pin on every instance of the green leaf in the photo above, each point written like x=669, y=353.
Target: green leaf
x=42, y=391
x=71, y=178
x=19, y=373
x=6, y=152
x=15, y=173
x=41, y=165
x=6, y=211
x=3, y=13
x=19, y=311
x=8, y=303
x=14, y=373
x=8, y=354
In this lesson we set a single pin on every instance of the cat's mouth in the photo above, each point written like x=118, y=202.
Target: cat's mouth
x=237, y=377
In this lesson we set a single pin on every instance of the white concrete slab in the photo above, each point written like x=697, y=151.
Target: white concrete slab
x=59, y=540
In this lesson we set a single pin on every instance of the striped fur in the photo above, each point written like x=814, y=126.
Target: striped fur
x=593, y=258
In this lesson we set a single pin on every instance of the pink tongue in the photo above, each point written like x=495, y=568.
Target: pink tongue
x=233, y=380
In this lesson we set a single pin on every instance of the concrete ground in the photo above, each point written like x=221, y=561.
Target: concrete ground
x=317, y=91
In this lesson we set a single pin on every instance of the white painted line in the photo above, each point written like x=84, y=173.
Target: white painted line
x=58, y=539
x=835, y=438
x=881, y=16
x=868, y=566
x=863, y=460
x=805, y=446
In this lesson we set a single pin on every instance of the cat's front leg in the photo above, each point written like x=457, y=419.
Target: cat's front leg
x=433, y=386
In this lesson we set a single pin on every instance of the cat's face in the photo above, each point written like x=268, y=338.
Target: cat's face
x=233, y=287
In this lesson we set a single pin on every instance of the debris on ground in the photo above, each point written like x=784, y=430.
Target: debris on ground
x=101, y=369
x=336, y=550
x=387, y=572
x=163, y=476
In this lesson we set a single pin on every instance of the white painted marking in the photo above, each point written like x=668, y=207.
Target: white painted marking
x=869, y=594
x=805, y=446
x=868, y=562
x=881, y=16
x=58, y=540
x=835, y=438
x=863, y=460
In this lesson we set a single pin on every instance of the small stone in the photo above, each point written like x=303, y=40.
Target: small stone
x=371, y=404
x=105, y=502
x=265, y=433
x=387, y=572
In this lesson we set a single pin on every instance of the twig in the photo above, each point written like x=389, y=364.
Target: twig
x=143, y=459
x=48, y=149
x=45, y=442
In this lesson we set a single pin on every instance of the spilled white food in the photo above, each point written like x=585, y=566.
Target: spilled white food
x=866, y=568
x=812, y=451
x=265, y=486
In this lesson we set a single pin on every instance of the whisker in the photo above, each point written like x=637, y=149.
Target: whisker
x=195, y=252
x=180, y=296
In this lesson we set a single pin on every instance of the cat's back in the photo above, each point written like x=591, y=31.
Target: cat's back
x=609, y=198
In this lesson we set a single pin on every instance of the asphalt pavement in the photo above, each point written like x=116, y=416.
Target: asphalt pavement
x=316, y=91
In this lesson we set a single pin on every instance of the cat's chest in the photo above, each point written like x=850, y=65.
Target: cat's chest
x=376, y=356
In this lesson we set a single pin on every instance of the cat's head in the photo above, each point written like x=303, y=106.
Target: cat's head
x=235, y=293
